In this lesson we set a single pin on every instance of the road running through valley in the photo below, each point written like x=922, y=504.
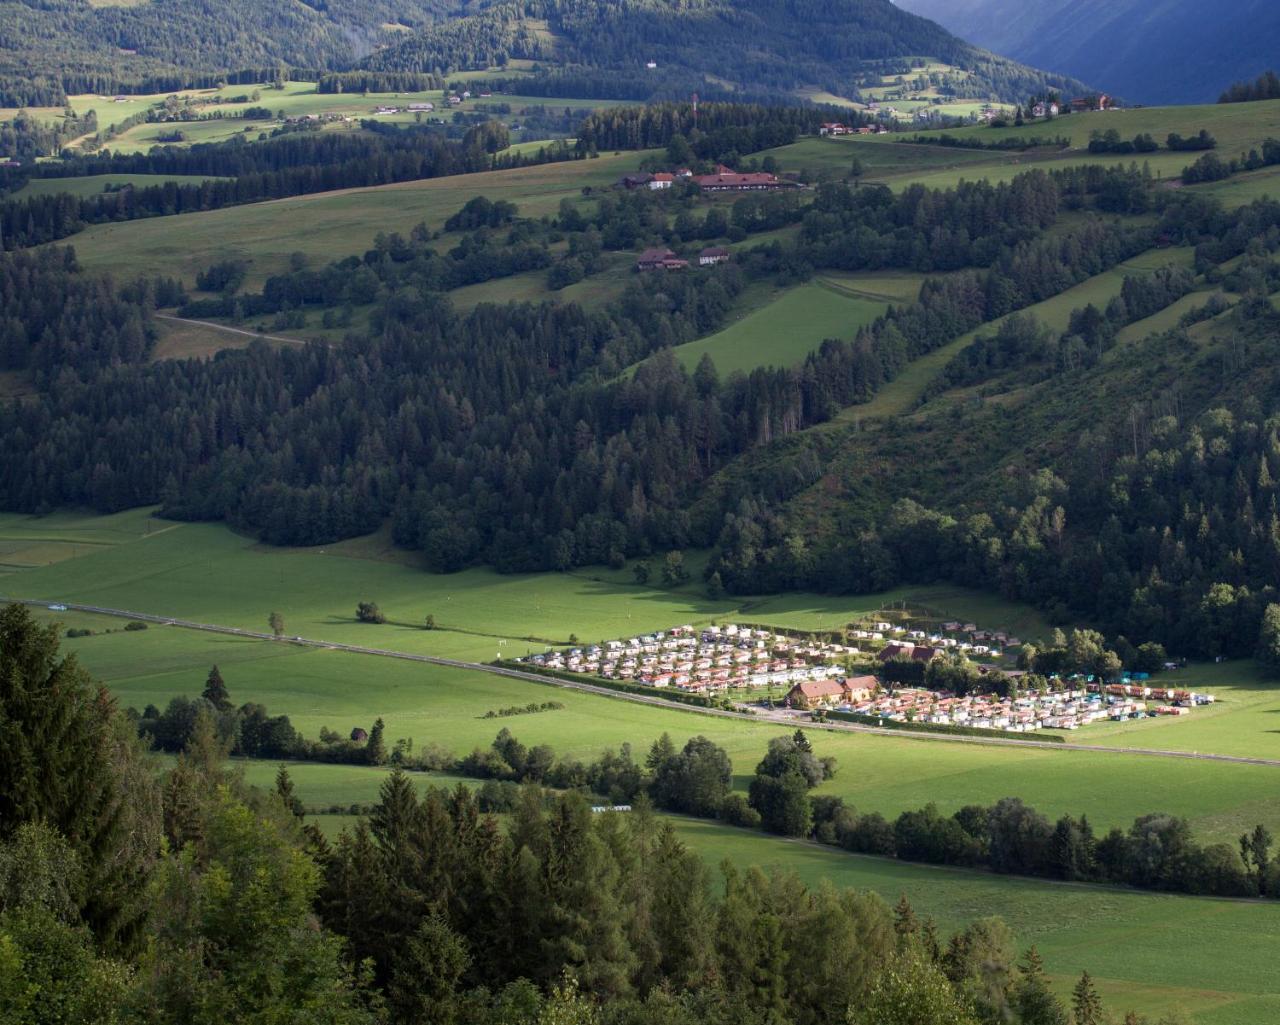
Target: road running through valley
x=758, y=716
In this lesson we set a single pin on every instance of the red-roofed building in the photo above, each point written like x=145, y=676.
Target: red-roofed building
x=660, y=259
x=662, y=180
x=727, y=180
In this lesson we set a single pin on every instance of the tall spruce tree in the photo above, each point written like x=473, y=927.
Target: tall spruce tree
x=215, y=691
x=67, y=759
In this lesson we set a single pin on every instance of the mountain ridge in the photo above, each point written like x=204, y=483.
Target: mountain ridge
x=1161, y=52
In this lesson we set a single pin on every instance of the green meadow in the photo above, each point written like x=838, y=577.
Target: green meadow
x=205, y=572
x=92, y=184
x=1134, y=942
x=328, y=225
x=785, y=331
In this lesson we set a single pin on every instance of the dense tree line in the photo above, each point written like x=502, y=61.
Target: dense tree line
x=53, y=317
x=1265, y=87
x=1157, y=852
x=717, y=129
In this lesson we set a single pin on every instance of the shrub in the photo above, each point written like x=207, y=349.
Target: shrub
x=135, y=624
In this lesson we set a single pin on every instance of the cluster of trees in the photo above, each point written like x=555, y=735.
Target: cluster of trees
x=530, y=709
x=718, y=131
x=132, y=895
x=1265, y=87
x=465, y=922
x=25, y=138
x=1021, y=341
x=1212, y=168
x=249, y=731
x=1157, y=852
x=925, y=229
x=1200, y=141
x=53, y=317
x=1007, y=142
x=1110, y=142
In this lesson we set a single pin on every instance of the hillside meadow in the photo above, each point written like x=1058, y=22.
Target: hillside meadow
x=327, y=225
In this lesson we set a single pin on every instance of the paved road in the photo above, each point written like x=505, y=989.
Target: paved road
x=777, y=718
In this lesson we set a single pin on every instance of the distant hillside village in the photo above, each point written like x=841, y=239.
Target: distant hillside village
x=881, y=672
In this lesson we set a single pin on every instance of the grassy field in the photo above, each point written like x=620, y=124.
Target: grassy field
x=206, y=572
x=89, y=185
x=327, y=225
x=886, y=159
x=1132, y=941
x=296, y=99
x=785, y=331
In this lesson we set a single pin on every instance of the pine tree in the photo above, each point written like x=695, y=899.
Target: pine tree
x=375, y=749
x=69, y=760
x=215, y=691
x=905, y=922
x=285, y=791
x=1086, y=1005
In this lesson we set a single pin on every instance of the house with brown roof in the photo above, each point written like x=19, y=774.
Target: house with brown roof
x=812, y=693
x=660, y=259
x=712, y=255
x=662, y=180
x=728, y=180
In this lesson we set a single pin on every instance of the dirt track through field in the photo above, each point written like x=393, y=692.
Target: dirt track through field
x=784, y=719
x=229, y=330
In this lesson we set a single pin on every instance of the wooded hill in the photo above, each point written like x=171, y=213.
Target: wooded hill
x=759, y=47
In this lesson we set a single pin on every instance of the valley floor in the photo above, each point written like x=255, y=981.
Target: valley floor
x=207, y=573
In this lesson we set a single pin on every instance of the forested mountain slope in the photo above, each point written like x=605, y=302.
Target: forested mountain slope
x=1167, y=51
x=97, y=43
x=757, y=45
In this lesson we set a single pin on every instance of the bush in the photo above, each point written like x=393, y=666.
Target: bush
x=368, y=612
x=735, y=810
x=135, y=624
x=77, y=631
